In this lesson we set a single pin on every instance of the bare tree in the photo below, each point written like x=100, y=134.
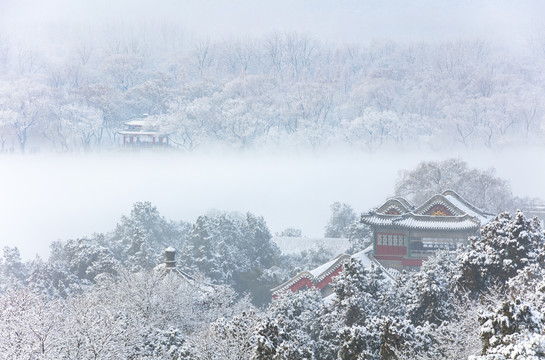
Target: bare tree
x=482, y=188
x=203, y=55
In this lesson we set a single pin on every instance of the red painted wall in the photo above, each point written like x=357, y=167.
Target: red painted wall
x=391, y=250
x=325, y=281
x=301, y=283
x=411, y=262
x=309, y=284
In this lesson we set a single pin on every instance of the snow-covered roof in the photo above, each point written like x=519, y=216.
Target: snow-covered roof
x=315, y=276
x=432, y=222
x=468, y=208
x=458, y=214
x=323, y=271
x=142, y=127
x=200, y=285
x=398, y=205
x=136, y=132
x=378, y=219
x=367, y=259
x=363, y=256
x=139, y=122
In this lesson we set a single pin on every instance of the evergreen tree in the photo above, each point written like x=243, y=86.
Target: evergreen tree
x=359, y=236
x=232, y=249
x=432, y=290
x=268, y=339
x=13, y=268
x=55, y=279
x=298, y=316
x=85, y=257
x=359, y=293
x=342, y=216
x=505, y=247
x=198, y=250
x=513, y=326
x=140, y=238
x=359, y=305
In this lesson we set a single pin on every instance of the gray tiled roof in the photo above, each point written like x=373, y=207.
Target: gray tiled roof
x=465, y=215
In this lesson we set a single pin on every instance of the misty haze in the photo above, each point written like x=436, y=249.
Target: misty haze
x=272, y=180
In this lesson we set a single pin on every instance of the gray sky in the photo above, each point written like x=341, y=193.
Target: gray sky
x=46, y=198
x=508, y=22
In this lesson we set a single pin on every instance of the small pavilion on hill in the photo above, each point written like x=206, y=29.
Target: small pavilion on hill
x=143, y=133
x=404, y=235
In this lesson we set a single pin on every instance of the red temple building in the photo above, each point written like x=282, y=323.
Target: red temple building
x=404, y=235
x=321, y=277
x=318, y=278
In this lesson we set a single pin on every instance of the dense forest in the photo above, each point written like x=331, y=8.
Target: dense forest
x=110, y=295
x=281, y=90
x=105, y=298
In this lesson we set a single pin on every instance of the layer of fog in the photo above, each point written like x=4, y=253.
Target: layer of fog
x=45, y=198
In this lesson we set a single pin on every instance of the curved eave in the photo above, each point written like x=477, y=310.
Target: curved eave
x=438, y=224
x=380, y=220
x=439, y=200
x=424, y=222
x=399, y=203
x=339, y=261
x=468, y=208
x=145, y=133
x=292, y=281
x=314, y=279
x=453, y=194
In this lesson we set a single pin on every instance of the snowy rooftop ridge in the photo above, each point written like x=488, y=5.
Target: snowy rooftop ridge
x=317, y=275
x=461, y=215
x=139, y=122
x=398, y=203
x=439, y=225
x=321, y=272
x=468, y=208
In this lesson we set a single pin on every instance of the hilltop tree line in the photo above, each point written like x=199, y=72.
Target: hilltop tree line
x=226, y=248
x=284, y=89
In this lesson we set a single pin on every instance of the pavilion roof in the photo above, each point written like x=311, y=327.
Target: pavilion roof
x=446, y=211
